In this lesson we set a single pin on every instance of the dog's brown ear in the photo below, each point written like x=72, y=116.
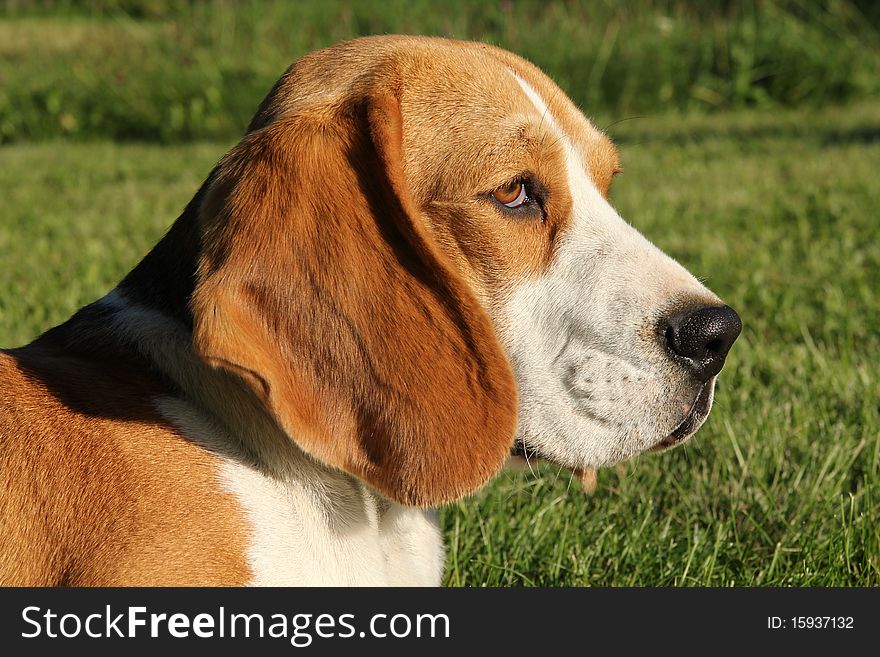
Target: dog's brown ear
x=319, y=284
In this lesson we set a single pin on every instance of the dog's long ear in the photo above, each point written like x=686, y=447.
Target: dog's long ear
x=319, y=285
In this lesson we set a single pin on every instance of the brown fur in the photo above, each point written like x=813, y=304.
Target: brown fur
x=95, y=488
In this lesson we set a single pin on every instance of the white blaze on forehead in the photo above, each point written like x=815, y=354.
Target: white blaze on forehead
x=574, y=161
x=537, y=101
x=584, y=194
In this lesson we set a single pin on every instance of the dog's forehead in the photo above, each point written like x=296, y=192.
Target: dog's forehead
x=485, y=99
x=597, y=151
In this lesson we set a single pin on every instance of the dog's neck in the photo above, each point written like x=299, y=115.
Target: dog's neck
x=148, y=316
x=245, y=429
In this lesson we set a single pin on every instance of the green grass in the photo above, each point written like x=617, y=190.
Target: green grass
x=776, y=212
x=171, y=70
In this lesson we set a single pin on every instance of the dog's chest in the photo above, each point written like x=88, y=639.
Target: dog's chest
x=315, y=525
x=333, y=531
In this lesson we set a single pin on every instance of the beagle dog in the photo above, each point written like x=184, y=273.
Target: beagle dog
x=407, y=271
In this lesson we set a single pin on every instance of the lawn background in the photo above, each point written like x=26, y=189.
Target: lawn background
x=750, y=139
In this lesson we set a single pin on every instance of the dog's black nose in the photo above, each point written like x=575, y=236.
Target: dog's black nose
x=699, y=338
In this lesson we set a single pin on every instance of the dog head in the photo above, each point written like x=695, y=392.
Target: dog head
x=412, y=260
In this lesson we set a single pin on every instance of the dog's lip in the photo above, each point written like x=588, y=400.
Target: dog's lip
x=695, y=415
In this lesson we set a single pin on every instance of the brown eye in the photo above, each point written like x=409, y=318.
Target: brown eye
x=511, y=195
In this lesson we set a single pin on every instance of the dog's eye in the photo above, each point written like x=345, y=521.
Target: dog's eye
x=511, y=195
x=523, y=197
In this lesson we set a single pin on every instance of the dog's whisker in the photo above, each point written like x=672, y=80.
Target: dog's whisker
x=623, y=120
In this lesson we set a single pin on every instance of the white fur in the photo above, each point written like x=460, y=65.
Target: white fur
x=595, y=383
x=319, y=527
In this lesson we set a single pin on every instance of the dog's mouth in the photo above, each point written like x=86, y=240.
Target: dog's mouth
x=692, y=421
x=698, y=412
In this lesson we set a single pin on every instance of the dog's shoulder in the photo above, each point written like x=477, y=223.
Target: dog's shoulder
x=92, y=478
